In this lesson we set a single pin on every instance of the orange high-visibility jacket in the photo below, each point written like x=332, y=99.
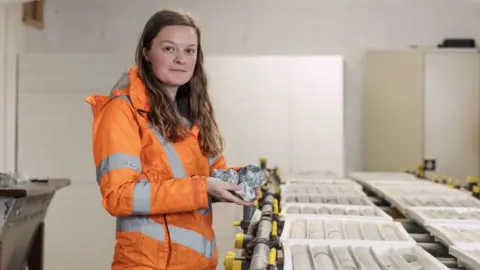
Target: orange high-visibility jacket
x=155, y=188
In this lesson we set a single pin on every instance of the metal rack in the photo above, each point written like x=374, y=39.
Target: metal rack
x=418, y=233
x=262, y=249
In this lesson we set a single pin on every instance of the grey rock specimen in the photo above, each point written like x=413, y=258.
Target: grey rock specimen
x=249, y=178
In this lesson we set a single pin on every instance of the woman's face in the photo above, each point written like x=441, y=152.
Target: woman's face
x=173, y=55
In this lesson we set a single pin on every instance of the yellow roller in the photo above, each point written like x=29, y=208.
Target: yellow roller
x=272, y=257
x=476, y=192
x=457, y=183
x=444, y=179
x=275, y=206
x=276, y=171
x=237, y=265
x=274, y=228
x=229, y=259
x=236, y=223
x=239, y=237
x=450, y=183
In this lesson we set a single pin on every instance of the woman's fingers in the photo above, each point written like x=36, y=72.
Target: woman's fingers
x=230, y=187
x=234, y=199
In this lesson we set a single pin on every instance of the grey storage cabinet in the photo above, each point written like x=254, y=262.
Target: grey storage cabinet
x=422, y=104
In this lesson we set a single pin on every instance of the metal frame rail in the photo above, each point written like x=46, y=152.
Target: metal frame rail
x=418, y=233
x=262, y=250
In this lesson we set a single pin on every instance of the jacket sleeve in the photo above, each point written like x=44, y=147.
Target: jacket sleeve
x=220, y=163
x=125, y=189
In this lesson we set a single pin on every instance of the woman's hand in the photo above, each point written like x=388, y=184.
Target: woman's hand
x=257, y=193
x=220, y=191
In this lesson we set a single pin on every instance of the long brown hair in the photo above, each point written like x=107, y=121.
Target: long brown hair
x=192, y=98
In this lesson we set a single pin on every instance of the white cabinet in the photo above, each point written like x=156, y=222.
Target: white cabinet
x=422, y=104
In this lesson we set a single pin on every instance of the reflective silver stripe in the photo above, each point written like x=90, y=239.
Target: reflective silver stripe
x=187, y=123
x=174, y=160
x=147, y=226
x=192, y=240
x=141, y=224
x=184, y=237
x=118, y=161
x=172, y=155
x=141, y=197
x=212, y=160
x=126, y=98
x=122, y=83
x=178, y=235
x=142, y=190
x=206, y=211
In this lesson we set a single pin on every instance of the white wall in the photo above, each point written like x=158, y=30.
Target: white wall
x=277, y=117
x=346, y=27
x=15, y=37
x=12, y=40
x=251, y=27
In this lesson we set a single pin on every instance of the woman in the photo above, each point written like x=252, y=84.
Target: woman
x=155, y=142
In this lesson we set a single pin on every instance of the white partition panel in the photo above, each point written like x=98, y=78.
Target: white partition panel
x=252, y=103
x=288, y=109
x=317, y=114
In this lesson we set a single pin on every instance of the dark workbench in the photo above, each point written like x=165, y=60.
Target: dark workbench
x=24, y=207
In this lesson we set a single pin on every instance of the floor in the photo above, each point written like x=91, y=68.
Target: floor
x=80, y=234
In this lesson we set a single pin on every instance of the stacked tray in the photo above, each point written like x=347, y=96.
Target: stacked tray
x=307, y=177
x=402, y=202
x=305, y=255
x=341, y=199
x=320, y=181
x=389, y=191
x=365, y=178
x=325, y=188
x=430, y=215
x=341, y=230
x=384, y=189
x=468, y=255
x=455, y=234
x=340, y=211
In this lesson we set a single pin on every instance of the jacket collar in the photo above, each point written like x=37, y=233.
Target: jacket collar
x=132, y=85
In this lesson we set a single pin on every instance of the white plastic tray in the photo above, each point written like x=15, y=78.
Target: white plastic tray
x=335, y=199
x=430, y=215
x=329, y=210
x=424, y=189
x=377, y=186
x=429, y=193
x=311, y=174
x=401, y=202
x=381, y=175
x=453, y=234
x=343, y=230
x=468, y=255
x=321, y=189
x=318, y=181
x=365, y=177
x=308, y=176
x=358, y=256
